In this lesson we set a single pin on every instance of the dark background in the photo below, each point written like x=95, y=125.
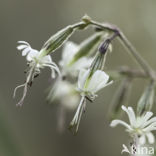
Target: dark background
x=31, y=130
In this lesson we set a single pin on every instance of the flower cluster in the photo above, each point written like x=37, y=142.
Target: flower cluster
x=81, y=76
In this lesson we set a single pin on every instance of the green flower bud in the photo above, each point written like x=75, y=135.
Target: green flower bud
x=57, y=40
x=120, y=98
x=147, y=99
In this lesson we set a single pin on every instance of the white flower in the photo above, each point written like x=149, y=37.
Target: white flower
x=33, y=56
x=64, y=92
x=35, y=61
x=90, y=85
x=139, y=125
x=69, y=51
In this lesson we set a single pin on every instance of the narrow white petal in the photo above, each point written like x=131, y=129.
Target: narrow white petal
x=130, y=114
x=114, y=123
x=147, y=116
x=152, y=120
x=151, y=127
x=142, y=140
x=24, y=42
x=145, y=119
x=20, y=47
x=150, y=137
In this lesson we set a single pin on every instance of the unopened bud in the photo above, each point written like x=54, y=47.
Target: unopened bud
x=56, y=40
x=120, y=98
x=147, y=99
x=104, y=46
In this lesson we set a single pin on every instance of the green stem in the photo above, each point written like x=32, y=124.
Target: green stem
x=106, y=26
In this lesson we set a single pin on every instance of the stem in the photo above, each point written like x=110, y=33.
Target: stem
x=137, y=56
x=129, y=46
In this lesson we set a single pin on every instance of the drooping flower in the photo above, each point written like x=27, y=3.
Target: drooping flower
x=35, y=62
x=140, y=126
x=88, y=86
x=69, y=51
x=64, y=92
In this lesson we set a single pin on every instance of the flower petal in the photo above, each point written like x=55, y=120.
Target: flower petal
x=151, y=127
x=69, y=50
x=23, y=42
x=26, y=51
x=152, y=120
x=114, y=123
x=142, y=140
x=150, y=137
x=130, y=114
x=20, y=47
x=145, y=118
x=83, y=74
x=98, y=80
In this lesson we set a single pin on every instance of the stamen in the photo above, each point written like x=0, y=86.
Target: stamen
x=74, y=125
x=25, y=85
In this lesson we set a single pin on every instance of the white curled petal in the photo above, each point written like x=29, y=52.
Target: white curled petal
x=20, y=47
x=132, y=114
x=129, y=113
x=99, y=77
x=150, y=137
x=83, y=74
x=142, y=140
x=114, y=123
x=23, y=42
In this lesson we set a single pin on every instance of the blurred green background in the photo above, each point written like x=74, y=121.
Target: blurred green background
x=32, y=129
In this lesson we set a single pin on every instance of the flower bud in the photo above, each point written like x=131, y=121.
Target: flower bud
x=147, y=99
x=57, y=40
x=99, y=61
x=120, y=98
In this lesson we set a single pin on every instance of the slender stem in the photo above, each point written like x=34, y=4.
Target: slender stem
x=106, y=26
x=137, y=56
